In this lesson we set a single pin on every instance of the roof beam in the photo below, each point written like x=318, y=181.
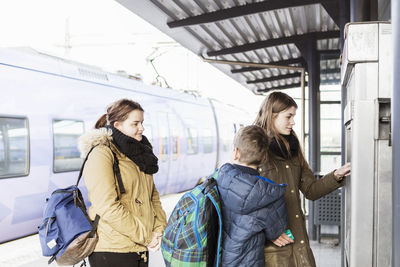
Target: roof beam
x=333, y=10
x=330, y=81
x=275, y=42
x=275, y=78
x=295, y=85
x=250, y=8
x=281, y=87
x=279, y=63
x=329, y=54
x=330, y=71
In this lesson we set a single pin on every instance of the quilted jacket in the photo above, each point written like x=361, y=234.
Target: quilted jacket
x=253, y=210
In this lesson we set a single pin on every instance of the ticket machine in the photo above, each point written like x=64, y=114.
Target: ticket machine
x=366, y=75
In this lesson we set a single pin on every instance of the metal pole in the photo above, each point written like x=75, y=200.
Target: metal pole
x=344, y=6
x=303, y=109
x=313, y=85
x=251, y=64
x=342, y=197
x=363, y=10
x=396, y=135
x=314, y=122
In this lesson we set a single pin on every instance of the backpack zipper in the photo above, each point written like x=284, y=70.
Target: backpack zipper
x=63, y=191
x=48, y=224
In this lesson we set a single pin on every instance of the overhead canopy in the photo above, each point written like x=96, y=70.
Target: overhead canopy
x=270, y=31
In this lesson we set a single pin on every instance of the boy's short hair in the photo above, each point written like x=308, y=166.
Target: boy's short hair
x=252, y=143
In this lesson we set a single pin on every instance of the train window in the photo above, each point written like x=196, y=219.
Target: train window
x=176, y=132
x=163, y=136
x=14, y=147
x=227, y=137
x=65, y=141
x=148, y=132
x=227, y=144
x=208, y=141
x=148, y=128
x=176, y=146
x=192, y=141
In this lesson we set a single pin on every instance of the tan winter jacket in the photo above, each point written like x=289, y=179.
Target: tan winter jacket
x=298, y=179
x=127, y=221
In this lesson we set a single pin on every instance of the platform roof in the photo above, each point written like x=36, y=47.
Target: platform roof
x=264, y=31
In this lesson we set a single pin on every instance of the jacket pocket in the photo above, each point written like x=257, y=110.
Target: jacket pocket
x=278, y=257
x=304, y=257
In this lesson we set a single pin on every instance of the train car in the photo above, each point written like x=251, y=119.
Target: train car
x=48, y=102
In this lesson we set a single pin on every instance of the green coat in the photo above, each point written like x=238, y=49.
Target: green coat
x=297, y=178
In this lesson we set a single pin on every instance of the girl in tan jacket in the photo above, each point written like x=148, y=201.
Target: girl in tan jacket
x=131, y=223
x=286, y=164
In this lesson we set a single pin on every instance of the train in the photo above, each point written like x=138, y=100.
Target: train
x=48, y=102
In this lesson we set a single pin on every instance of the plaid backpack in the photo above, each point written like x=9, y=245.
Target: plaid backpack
x=193, y=234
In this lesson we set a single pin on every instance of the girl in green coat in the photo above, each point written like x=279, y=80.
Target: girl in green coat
x=286, y=164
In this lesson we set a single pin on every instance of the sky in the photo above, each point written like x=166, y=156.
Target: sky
x=105, y=34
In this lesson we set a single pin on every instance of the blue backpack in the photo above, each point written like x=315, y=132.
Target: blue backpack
x=193, y=234
x=66, y=233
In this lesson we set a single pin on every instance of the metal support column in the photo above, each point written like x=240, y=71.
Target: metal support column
x=396, y=135
x=314, y=121
x=314, y=96
x=363, y=10
x=344, y=17
x=344, y=6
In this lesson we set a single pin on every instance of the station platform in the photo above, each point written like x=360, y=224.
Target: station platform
x=26, y=252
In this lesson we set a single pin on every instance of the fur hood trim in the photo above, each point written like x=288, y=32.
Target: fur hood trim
x=92, y=138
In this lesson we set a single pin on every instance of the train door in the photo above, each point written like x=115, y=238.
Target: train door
x=163, y=149
x=176, y=173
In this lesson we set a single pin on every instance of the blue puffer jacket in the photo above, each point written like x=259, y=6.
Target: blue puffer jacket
x=253, y=209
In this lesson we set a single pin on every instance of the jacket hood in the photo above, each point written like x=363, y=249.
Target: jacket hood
x=246, y=192
x=92, y=138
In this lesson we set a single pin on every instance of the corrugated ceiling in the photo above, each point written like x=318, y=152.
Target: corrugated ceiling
x=272, y=32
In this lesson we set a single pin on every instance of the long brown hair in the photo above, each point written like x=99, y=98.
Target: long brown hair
x=272, y=105
x=117, y=111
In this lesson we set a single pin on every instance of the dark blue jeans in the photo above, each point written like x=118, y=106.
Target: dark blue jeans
x=113, y=259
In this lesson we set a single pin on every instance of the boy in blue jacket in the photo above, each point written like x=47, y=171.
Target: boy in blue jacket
x=253, y=208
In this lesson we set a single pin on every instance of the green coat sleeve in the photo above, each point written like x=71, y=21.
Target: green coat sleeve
x=313, y=188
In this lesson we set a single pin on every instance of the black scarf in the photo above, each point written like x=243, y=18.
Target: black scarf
x=281, y=150
x=140, y=152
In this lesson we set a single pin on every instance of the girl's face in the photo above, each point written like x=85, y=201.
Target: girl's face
x=133, y=125
x=284, y=121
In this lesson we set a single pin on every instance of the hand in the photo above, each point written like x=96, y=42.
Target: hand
x=155, y=243
x=345, y=170
x=283, y=240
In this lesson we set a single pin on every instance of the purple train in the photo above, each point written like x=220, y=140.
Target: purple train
x=48, y=102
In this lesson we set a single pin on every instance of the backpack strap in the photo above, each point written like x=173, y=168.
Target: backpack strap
x=83, y=165
x=217, y=208
x=52, y=259
x=116, y=170
x=210, y=184
x=118, y=173
x=94, y=224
